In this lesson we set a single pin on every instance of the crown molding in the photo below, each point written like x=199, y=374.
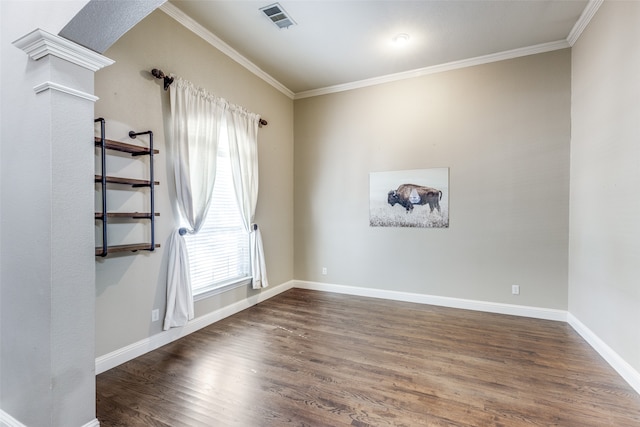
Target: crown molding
x=38, y=44
x=471, y=62
x=216, y=42
x=582, y=22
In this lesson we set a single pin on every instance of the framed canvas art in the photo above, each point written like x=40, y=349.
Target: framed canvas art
x=409, y=198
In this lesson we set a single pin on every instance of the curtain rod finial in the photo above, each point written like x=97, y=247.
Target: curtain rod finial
x=159, y=74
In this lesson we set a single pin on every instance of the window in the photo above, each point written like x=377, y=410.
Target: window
x=219, y=253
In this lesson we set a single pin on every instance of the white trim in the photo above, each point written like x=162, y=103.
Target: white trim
x=64, y=89
x=216, y=42
x=7, y=420
x=209, y=292
x=626, y=371
x=455, y=65
x=582, y=22
x=115, y=358
x=490, y=307
x=38, y=44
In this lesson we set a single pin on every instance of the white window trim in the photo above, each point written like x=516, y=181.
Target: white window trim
x=208, y=292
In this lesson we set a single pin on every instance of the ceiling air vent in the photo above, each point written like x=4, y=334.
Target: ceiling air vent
x=278, y=16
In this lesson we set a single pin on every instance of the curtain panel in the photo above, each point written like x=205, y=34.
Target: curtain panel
x=196, y=119
x=243, y=148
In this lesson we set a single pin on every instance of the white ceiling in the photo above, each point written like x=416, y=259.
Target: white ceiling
x=339, y=42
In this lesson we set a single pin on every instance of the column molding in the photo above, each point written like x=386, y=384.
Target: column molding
x=64, y=89
x=39, y=43
x=52, y=157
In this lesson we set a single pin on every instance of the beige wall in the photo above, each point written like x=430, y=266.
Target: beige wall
x=129, y=286
x=503, y=129
x=604, y=249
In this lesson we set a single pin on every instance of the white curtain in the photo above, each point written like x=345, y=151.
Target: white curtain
x=196, y=118
x=243, y=149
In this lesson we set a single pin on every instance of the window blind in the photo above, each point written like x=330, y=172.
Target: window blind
x=219, y=253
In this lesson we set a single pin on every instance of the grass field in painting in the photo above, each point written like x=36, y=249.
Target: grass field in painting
x=382, y=214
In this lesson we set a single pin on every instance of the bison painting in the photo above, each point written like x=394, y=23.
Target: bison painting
x=432, y=194
x=408, y=195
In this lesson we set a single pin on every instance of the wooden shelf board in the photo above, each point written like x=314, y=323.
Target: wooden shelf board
x=124, y=147
x=126, y=248
x=135, y=215
x=127, y=181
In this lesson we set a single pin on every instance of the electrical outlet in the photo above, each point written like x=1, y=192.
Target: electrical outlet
x=324, y=271
x=515, y=289
x=155, y=315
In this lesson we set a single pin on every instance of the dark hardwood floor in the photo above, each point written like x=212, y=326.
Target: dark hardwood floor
x=307, y=358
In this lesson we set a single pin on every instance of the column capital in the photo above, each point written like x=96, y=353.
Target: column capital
x=39, y=43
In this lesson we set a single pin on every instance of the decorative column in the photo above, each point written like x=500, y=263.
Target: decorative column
x=48, y=271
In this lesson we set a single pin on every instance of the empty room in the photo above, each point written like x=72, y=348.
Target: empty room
x=320, y=213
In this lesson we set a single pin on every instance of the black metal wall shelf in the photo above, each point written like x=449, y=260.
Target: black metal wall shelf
x=123, y=147
x=134, y=215
x=129, y=181
x=104, y=216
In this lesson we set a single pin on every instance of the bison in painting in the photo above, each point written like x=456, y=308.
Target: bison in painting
x=409, y=195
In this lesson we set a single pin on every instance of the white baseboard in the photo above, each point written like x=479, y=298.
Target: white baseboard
x=117, y=357
x=139, y=348
x=7, y=420
x=490, y=307
x=626, y=371
x=122, y=355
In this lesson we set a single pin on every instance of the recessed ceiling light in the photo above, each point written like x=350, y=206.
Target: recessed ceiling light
x=400, y=39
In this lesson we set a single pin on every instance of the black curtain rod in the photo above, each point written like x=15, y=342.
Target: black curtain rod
x=159, y=74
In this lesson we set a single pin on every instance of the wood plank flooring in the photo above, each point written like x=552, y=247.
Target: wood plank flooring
x=308, y=358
